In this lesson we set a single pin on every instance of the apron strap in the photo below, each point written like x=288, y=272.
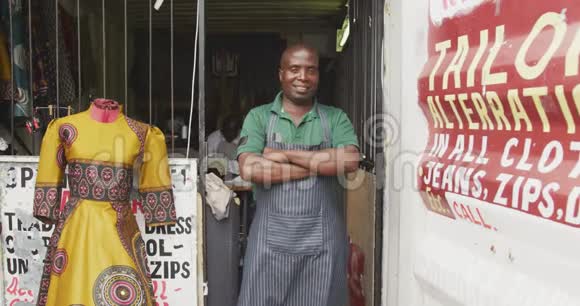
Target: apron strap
x=325, y=126
x=270, y=130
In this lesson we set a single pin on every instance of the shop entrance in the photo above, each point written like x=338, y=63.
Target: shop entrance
x=244, y=42
x=243, y=56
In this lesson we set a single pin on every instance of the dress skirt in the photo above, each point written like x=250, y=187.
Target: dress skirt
x=98, y=243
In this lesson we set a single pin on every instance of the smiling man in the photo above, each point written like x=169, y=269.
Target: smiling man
x=293, y=150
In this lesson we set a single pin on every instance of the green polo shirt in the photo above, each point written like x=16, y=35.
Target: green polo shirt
x=308, y=132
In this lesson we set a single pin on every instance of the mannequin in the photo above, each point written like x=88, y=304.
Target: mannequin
x=96, y=234
x=105, y=110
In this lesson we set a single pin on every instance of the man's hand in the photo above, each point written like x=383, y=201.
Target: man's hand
x=275, y=155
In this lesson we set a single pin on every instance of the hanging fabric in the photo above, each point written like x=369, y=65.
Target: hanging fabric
x=4, y=69
x=17, y=32
x=44, y=27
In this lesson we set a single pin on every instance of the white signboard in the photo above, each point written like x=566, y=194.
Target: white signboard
x=172, y=250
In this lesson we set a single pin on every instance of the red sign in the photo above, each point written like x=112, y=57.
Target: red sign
x=501, y=93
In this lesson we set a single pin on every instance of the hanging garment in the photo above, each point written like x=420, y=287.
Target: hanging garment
x=69, y=33
x=19, y=53
x=5, y=76
x=297, y=247
x=4, y=59
x=96, y=254
x=45, y=52
x=218, y=196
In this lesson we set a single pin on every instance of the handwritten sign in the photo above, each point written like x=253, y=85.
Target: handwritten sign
x=171, y=250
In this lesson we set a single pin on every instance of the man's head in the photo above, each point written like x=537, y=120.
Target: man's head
x=230, y=127
x=298, y=73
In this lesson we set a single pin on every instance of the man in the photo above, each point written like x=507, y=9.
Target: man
x=293, y=150
x=225, y=139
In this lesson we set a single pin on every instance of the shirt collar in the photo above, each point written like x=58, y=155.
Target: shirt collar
x=277, y=108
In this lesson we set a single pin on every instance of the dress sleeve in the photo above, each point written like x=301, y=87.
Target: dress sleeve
x=50, y=177
x=155, y=185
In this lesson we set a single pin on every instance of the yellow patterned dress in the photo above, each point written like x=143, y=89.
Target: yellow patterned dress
x=96, y=254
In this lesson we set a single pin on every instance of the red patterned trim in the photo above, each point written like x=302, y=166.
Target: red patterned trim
x=133, y=243
x=100, y=182
x=60, y=157
x=140, y=130
x=122, y=214
x=47, y=202
x=158, y=206
x=140, y=255
x=51, y=252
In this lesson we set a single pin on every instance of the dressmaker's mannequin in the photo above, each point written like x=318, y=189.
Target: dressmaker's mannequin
x=105, y=110
x=96, y=235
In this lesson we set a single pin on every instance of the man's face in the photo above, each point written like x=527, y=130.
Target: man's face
x=231, y=130
x=299, y=75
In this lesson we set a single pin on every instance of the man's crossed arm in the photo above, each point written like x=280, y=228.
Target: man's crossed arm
x=278, y=166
